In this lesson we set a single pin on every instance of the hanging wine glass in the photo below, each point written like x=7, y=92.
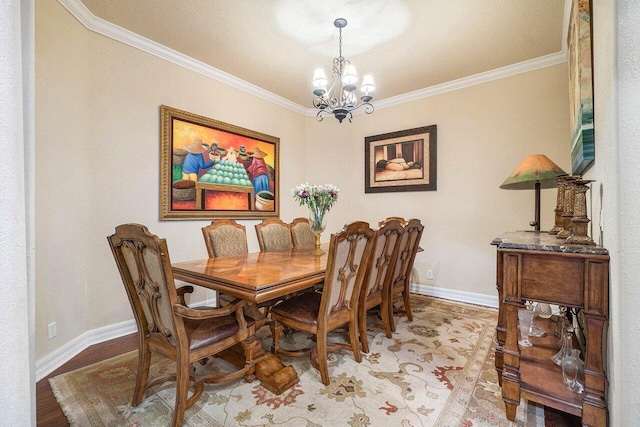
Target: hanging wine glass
x=567, y=346
x=536, y=331
x=572, y=369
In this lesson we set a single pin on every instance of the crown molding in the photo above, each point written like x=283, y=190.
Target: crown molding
x=498, y=73
x=108, y=29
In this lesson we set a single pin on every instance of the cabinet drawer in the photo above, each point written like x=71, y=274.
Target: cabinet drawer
x=555, y=279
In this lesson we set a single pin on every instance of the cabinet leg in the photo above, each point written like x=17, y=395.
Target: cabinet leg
x=510, y=409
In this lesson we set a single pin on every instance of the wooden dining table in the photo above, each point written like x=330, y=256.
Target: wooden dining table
x=257, y=278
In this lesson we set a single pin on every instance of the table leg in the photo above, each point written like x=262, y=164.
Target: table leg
x=269, y=369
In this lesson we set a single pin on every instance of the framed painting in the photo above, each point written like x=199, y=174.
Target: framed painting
x=210, y=169
x=401, y=161
x=581, y=87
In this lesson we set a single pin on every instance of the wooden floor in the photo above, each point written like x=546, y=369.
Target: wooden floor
x=49, y=413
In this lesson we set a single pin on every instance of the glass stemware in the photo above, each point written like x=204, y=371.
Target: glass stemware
x=567, y=346
x=572, y=368
x=525, y=318
x=536, y=331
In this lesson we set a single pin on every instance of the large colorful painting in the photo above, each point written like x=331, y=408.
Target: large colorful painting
x=210, y=169
x=581, y=87
x=401, y=161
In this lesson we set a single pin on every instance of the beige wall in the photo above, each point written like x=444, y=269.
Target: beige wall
x=97, y=119
x=484, y=132
x=97, y=164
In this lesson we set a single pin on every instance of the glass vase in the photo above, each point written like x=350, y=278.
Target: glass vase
x=567, y=346
x=317, y=222
x=572, y=369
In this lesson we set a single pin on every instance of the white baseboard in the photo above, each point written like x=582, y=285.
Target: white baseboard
x=62, y=355
x=66, y=352
x=454, y=295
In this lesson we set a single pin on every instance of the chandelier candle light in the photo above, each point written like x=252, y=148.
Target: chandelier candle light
x=340, y=99
x=319, y=199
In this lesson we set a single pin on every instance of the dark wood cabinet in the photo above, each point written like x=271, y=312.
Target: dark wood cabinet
x=536, y=266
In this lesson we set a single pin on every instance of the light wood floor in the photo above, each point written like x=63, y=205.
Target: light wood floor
x=49, y=413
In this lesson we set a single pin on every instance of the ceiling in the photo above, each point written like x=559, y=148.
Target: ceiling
x=407, y=45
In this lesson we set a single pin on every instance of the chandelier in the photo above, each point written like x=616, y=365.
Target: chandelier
x=340, y=99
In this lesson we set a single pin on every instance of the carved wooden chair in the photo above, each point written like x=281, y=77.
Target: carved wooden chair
x=391, y=218
x=167, y=326
x=348, y=258
x=273, y=235
x=225, y=237
x=400, y=278
x=301, y=233
x=383, y=260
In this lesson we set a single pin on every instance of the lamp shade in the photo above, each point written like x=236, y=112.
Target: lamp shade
x=535, y=168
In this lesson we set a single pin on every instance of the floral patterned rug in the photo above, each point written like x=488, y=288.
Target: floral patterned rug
x=436, y=371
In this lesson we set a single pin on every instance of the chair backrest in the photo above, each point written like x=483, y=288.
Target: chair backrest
x=409, y=244
x=145, y=268
x=392, y=218
x=387, y=244
x=273, y=235
x=301, y=233
x=347, y=262
x=225, y=237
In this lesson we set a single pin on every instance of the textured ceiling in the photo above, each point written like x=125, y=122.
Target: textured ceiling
x=406, y=45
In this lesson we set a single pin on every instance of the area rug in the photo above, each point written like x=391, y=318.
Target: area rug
x=436, y=371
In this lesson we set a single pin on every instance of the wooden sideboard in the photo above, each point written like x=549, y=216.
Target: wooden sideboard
x=536, y=266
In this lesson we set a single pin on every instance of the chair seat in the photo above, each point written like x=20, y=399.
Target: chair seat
x=202, y=333
x=302, y=308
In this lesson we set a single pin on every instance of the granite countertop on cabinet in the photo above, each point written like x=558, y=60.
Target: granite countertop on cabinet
x=542, y=241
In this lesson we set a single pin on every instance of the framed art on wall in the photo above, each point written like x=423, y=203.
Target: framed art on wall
x=581, y=87
x=210, y=169
x=401, y=161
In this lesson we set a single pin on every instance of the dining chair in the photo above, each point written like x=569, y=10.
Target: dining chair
x=225, y=237
x=273, y=235
x=348, y=258
x=401, y=277
x=301, y=233
x=167, y=326
x=387, y=239
x=391, y=218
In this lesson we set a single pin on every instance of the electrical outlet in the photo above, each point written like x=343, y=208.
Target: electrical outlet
x=51, y=330
x=429, y=274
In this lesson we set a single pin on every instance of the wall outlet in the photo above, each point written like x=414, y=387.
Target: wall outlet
x=51, y=330
x=429, y=274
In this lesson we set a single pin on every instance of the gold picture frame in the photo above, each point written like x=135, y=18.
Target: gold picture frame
x=211, y=169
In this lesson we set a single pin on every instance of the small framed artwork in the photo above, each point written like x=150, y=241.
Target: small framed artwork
x=210, y=169
x=401, y=161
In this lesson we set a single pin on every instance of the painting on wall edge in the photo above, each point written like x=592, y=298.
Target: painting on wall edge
x=579, y=48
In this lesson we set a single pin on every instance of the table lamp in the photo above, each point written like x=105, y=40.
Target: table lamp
x=534, y=172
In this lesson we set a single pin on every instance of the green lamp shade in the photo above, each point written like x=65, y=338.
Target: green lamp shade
x=534, y=168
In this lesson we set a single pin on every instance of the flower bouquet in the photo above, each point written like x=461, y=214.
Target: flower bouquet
x=318, y=199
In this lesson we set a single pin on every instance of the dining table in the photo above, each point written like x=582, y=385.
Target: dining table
x=259, y=277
